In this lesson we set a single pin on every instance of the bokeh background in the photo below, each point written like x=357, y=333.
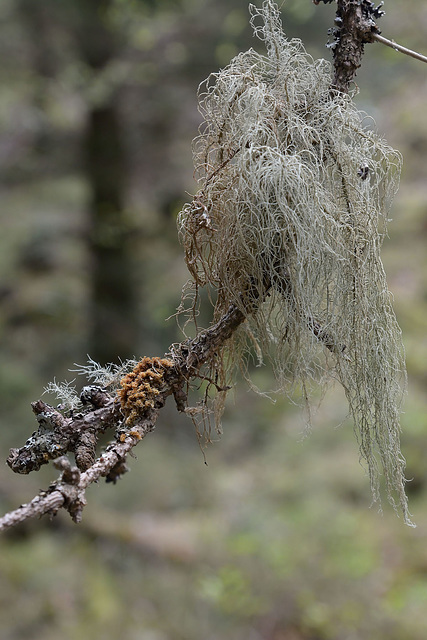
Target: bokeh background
x=274, y=538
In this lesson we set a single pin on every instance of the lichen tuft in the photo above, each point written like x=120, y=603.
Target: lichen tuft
x=294, y=192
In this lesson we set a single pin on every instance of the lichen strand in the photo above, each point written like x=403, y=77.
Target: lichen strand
x=141, y=387
x=295, y=188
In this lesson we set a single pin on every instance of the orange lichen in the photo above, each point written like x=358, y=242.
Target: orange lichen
x=133, y=433
x=141, y=386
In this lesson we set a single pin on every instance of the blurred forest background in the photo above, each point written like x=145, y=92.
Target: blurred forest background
x=274, y=539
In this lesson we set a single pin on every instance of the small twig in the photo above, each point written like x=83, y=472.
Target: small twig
x=399, y=47
x=41, y=504
x=224, y=164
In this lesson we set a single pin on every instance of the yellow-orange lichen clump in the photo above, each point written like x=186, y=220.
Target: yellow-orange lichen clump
x=141, y=386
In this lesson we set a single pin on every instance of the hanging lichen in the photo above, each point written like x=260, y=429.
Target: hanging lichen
x=287, y=224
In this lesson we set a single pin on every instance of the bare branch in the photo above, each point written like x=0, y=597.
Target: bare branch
x=399, y=47
x=41, y=504
x=191, y=355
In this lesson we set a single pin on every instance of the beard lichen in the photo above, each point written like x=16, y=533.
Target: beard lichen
x=287, y=224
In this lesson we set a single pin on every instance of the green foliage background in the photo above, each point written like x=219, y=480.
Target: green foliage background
x=274, y=539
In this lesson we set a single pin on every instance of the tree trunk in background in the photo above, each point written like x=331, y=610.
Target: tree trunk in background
x=113, y=304
x=113, y=322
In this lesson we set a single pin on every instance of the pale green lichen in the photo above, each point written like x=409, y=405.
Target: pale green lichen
x=107, y=376
x=66, y=393
x=287, y=224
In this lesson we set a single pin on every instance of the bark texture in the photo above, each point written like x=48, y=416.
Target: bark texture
x=354, y=26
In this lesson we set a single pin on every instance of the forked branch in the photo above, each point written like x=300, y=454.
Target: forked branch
x=57, y=434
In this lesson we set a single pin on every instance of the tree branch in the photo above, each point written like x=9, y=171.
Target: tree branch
x=354, y=27
x=357, y=17
x=399, y=47
x=58, y=434
x=41, y=504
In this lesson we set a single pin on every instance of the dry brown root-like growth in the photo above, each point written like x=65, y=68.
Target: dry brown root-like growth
x=295, y=188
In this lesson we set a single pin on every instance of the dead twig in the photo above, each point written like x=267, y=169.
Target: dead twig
x=399, y=47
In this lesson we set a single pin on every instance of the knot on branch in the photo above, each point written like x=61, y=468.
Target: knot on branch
x=119, y=469
x=69, y=486
x=94, y=395
x=85, y=449
x=70, y=475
